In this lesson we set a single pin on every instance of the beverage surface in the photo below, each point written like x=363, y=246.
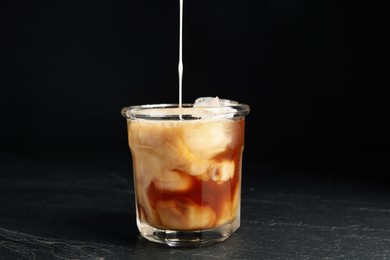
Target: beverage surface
x=202, y=108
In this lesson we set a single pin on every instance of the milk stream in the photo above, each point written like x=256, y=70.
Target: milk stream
x=180, y=66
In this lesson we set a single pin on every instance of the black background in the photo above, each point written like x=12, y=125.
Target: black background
x=313, y=72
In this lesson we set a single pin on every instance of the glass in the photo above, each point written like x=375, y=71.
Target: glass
x=187, y=170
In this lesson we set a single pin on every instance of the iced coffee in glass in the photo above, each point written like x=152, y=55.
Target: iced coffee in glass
x=187, y=169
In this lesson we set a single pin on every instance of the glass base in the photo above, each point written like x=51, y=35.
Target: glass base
x=179, y=238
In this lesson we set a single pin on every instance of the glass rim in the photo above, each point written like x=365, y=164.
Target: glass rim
x=155, y=111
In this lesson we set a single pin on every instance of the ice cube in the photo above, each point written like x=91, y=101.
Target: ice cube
x=213, y=102
x=172, y=181
x=185, y=214
x=221, y=172
x=229, y=209
x=208, y=139
x=210, y=107
x=177, y=157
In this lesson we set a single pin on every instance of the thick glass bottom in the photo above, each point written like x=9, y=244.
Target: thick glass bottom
x=179, y=238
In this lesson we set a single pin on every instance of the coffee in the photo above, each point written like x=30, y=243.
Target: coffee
x=187, y=173
x=187, y=169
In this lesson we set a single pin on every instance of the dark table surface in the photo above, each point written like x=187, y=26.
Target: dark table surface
x=82, y=207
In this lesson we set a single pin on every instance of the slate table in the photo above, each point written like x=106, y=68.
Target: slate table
x=82, y=207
